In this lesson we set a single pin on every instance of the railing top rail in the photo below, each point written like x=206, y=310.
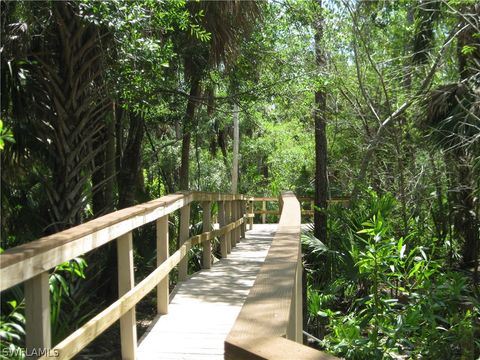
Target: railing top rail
x=266, y=310
x=271, y=309
x=299, y=198
x=23, y=262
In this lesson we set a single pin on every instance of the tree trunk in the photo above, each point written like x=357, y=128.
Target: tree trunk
x=98, y=177
x=110, y=168
x=187, y=132
x=74, y=118
x=103, y=177
x=131, y=163
x=321, y=180
x=236, y=143
x=465, y=221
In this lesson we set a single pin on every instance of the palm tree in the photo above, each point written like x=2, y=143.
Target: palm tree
x=228, y=22
x=61, y=66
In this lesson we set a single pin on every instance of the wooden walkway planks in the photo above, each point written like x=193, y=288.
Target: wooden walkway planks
x=205, y=307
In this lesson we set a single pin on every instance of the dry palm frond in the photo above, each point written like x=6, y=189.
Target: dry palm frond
x=227, y=22
x=453, y=115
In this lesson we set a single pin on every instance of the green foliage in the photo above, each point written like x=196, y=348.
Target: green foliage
x=400, y=301
x=12, y=331
x=5, y=135
x=70, y=298
x=384, y=284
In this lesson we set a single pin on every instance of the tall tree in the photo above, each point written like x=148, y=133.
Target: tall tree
x=227, y=22
x=62, y=70
x=236, y=145
x=320, y=121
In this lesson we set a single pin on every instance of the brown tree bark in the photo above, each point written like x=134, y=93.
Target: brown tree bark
x=103, y=177
x=321, y=180
x=188, y=126
x=69, y=79
x=131, y=163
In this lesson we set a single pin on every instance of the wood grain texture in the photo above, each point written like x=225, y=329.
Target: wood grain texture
x=37, y=312
x=128, y=324
x=182, y=239
x=162, y=255
x=274, y=348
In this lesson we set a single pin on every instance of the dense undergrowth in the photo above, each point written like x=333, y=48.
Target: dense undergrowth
x=375, y=293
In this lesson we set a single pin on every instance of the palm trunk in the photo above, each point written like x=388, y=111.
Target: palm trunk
x=75, y=119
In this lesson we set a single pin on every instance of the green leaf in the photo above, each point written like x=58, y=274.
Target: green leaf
x=468, y=50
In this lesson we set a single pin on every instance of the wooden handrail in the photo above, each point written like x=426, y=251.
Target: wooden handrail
x=269, y=325
x=31, y=262
x=23, y=262
x=304, y=211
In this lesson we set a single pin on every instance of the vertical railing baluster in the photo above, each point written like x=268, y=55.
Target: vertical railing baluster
x=252, y=212
x=264, y=215
x=299, y=301
x=207, y=247
x=238, y=206
x=228, y=220
x=162, y=255
x=183, y=236
x=222, y=221
x=233, y=218
x=37, y=314
x=128, y=326
x=243, y=214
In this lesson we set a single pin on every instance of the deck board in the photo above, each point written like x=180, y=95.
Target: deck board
x=205, y=307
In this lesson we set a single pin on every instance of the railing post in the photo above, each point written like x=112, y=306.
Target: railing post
x=252, y=212
x=233, y=218
x=236, y=231
x=243, y=214
x=37, y=313
x=183, y=236
x=128, y=326
x=222, y=221
x=207, y=247
x=238, y=206
x=228, y=220
x=299, y=301
x=162, y=255
x=264, y=208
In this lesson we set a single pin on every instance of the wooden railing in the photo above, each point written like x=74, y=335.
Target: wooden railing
x=269, y=325
x=30, y=264
x=306, y=206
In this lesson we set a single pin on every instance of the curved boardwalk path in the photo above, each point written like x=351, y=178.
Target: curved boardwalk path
x=205, y=307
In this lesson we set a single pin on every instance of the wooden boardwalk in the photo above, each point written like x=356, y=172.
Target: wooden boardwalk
x=205, y=307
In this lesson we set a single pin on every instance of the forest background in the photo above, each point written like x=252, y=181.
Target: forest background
x=109, y=104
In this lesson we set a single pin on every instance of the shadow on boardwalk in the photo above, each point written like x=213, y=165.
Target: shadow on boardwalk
x=205, y=307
